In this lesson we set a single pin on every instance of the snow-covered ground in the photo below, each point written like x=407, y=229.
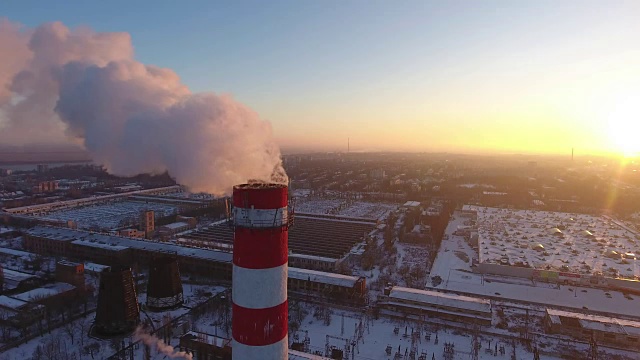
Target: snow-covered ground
x=61, y=342
x=453, y=266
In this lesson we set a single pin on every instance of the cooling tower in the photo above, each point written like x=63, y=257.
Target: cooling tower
x=164, y=289
x=260, y=256
x=117, y=311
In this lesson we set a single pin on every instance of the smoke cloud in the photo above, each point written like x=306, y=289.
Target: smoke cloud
x=87, y=88
x=160, y=345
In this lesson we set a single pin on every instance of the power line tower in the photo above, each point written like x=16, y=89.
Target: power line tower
x=593, y=348
x=475, y=344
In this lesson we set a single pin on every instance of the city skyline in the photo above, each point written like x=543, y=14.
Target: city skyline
x=468, y=77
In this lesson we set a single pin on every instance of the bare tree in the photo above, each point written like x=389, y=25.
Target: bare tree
x=38, y=353
x=70, y=328
x=83, y=329
x=91, y=349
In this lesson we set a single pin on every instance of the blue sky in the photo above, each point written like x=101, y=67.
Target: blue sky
x=410, y=75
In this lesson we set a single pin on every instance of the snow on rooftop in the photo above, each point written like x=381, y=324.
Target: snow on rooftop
x=11, y=303
x=14, y=252
x=176, y=225
x=343, y=208
x=111, y=215
x=441, y=299
x=100, y=245
x=16, y=276
x=324, y=277
x=312, y=257
x=572, y=243
x=64, y=234
x=5, y=230
x=597, y=322
x=93, y=267
x=45, y=291
x=412, y=204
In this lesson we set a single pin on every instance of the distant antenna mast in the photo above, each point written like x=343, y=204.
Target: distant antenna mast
x=348, y=145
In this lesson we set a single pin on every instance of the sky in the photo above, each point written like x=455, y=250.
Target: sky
x=459, y=76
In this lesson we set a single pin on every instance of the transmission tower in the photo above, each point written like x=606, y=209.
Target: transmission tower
x=593, y=348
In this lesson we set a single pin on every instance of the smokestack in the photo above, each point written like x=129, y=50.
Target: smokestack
x=260, y=260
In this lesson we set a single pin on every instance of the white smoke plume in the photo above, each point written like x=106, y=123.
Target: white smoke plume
x=88, y=88
x=160, y=345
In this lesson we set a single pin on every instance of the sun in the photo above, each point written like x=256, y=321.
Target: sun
x=623, y=123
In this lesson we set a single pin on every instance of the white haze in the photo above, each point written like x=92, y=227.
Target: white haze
x=161, y=347
x=133, y=118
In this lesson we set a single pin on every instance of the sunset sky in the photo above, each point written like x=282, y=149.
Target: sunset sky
x=512, y=76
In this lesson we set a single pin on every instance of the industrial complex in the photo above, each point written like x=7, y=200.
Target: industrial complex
x=274, y=272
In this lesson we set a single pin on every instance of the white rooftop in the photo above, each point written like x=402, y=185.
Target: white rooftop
x=93, y=267
x=441, y=299
x=324, y=277
x=11, y=303
x=176, y=225
x=14, y=252
x=574, y=243
x=45, y=291
x=412, y=204
x=100, y=245
x=597, y=322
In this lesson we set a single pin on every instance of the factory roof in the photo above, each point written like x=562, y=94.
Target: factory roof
x=412, y=204
x=313, y=257
x=64, y=234
x=16, y=276
x=11, y=303
x=14, y=252
x=176, y=225
x=596, y=322
x=561, y=242
x=441, y=299
x=45, y=291
x=323, y=277
x=96, y=268
x=100, y=245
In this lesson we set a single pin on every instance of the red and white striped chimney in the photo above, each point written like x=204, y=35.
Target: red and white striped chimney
x=260, y=261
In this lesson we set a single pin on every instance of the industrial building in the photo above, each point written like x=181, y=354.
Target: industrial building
x=427, y=303
x=603, y=329
x=112, y=250
x=580, y=249
x=314, y=235
x=19, y=313
x=16, y=281
x=44, y=209
x=336, y=287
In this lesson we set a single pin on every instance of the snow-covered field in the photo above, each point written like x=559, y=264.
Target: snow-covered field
x=72, y=341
